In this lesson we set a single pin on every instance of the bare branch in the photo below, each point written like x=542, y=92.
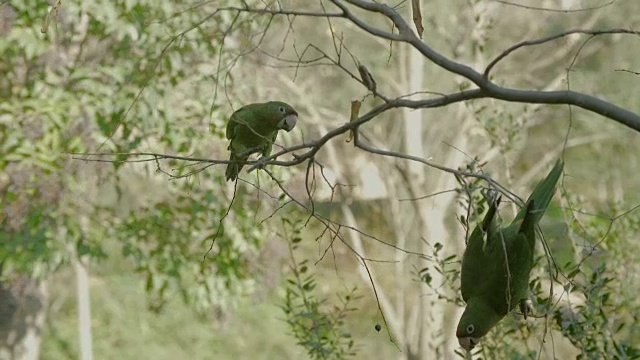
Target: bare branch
x=552, y=38
x=555, y=10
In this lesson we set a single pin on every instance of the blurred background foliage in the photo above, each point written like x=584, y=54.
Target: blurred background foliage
x=176, y=272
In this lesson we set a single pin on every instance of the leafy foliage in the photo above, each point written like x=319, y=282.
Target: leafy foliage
x=448, y=267
x=118, y=76
x=319, y=327
x=169, y=242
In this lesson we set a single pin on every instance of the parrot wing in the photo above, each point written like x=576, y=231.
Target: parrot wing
x=513, y=249
x=476, y=261
x=519, y=240
x=237, y=125
x=233, y=123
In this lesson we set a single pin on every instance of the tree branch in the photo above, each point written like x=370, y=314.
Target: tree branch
x=488, y=88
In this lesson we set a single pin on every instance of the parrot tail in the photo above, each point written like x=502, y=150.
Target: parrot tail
x=233, y=169
x=542, y=194
x=488, y=218
x=528, y=226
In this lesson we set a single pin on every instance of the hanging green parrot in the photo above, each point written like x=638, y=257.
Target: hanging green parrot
x=254, y=128
x=497, y=263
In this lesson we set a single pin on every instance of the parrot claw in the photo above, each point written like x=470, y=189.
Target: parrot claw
x=526, y=307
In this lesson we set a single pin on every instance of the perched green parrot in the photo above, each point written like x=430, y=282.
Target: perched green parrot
x=254, y=128
x=497, y=263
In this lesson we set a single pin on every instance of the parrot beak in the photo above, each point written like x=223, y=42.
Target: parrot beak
x=289, y=122
x=468, y=343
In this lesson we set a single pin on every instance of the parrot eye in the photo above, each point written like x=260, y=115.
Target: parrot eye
x=470, y=329
x=281, y=109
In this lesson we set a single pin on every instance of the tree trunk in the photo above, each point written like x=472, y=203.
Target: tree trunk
x=23, y=305
x=84, y=309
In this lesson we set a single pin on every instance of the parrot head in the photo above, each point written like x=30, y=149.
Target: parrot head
x=467, y=335
x=476, y=321
x=287, y=115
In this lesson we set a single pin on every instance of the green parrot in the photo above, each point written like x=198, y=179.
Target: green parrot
x=254, y=128
x=497, y=263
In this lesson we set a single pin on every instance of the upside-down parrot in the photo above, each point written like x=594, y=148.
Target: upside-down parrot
x=254, y=128
x=497, y=263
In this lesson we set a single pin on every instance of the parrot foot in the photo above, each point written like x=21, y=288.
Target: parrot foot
x=261, y=162
x=526, y=307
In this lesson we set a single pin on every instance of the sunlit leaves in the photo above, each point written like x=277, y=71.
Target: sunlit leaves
x=108, y=77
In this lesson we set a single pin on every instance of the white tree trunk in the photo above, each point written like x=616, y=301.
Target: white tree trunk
x=84, y=300
x=84, y=309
